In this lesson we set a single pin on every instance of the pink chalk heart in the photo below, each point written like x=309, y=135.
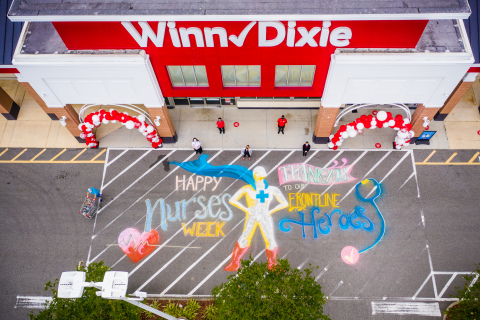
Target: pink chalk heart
x=350, y=255
x=137, y=246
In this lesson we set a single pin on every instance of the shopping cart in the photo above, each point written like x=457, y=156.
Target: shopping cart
x=91, y=203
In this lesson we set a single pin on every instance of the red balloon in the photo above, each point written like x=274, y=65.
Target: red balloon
x=342, y=128
x=363, y=118
x=160, y=140
x=408, y=126
x=335, y=140
x=114, y=113
x=370, y=117
x=358, y=120
x=379, y=124
x=389, y=115
x=137, y=125
x=398, y=117
x=335, y=148
x=368, y=125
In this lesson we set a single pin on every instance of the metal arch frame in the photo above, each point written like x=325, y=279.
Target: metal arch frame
x=345, y=111
x=126, y=106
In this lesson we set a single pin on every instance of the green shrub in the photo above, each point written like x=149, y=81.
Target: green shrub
x=173, y=309
x=210, y=312
x=468, y=307
x=281, y=293
x=190, y=311
x=89, y=306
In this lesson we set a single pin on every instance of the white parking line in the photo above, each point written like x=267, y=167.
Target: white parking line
x=429, y=309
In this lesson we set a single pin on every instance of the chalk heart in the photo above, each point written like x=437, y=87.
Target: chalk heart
x=350, y=255
x=137, y=246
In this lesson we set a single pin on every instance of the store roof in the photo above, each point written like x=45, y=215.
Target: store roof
x=9, y=34
x=54, y=10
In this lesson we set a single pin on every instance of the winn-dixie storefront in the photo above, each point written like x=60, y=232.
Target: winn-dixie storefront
x=245, y=64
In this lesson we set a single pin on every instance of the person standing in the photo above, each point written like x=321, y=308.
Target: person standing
x=221, y=125
x=281, y=124
x=197, y=146
x=247, y=152
x=306, y=148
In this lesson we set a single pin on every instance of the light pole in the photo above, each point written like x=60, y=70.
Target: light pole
x=114, y=286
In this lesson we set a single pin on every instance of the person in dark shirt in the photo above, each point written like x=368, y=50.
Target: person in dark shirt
x=306, y=148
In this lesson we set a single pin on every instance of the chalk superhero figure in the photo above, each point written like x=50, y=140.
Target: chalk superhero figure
x=258, y=195
x=257, y=214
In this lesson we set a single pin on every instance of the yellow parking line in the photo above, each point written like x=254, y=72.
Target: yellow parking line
x=98, y=155
x=51, y=160
x=470, y=162
x=38, y=155
x=450, y=159
x=429, y=156
x=78, y=155
x=18, y=155
x=1, y=154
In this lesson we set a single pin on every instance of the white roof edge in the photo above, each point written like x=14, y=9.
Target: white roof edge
x=273, y=17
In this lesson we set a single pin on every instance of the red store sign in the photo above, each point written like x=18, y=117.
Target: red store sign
x=214, y=44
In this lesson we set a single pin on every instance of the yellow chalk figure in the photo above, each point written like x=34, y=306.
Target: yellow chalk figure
x=258, y=214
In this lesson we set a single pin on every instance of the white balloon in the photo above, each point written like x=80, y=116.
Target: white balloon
x=373, y=124
x=82, y=135
x=97, y=124
x=130, y=124
x=80, y=126
x=330, y=145
x=391, y=123
x=339, y=143
x=385, y=124
x=96, y=118
x=90, y=135
x=141, y=118
x=105, y=121
x=114, y=121
x=344, y=134
x=88, y=129
x=331, y=137
x=156, y=139
x=406, y=121
x=382, y=115
x=352, y=133
x=360, y=126
x=395, y=128
x=412, y=134
x=150, y=129
x=145, y=133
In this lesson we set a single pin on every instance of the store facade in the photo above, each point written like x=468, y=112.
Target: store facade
x=323, y=62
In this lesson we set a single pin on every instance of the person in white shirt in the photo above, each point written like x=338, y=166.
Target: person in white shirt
x=247, y=152
x=197, y=146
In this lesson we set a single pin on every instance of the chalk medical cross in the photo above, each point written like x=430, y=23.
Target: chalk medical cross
x=262, y=196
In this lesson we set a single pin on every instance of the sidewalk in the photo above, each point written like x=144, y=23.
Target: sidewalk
x=257, y=127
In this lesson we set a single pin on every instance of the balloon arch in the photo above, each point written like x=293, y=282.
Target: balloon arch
x=95, y=119
x=380, y=119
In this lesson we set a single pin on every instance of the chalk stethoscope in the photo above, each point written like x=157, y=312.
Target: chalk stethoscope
x=371, y=200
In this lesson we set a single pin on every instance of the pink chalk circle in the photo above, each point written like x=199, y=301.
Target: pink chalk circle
x=350, y=255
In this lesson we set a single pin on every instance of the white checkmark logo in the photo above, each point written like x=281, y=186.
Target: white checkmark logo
x=238, y=41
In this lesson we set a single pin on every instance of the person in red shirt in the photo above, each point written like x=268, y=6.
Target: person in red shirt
x=221, y=125
x=281, y=124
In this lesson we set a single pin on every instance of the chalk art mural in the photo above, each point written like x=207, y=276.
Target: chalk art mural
x=357, y=220
x=258, y=196
x=206, y=217
x=302, y=172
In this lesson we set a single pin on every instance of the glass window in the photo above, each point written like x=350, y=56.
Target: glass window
x=241, y=76
x=201, y=75
x=212, y=101
x=254, y=75
x=228, y=75
x=188, y=76
x=281, y=73
x=181, y=101
x=175, y=75
x=294, y=76
x=307, y=76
